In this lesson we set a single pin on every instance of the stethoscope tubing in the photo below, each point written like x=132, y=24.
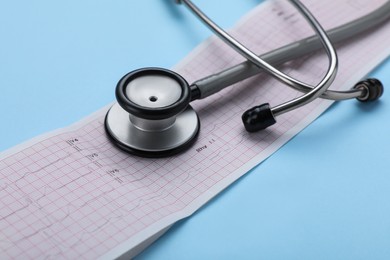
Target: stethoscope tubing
x=141, y=126
x=214, y=83
x=277, y=74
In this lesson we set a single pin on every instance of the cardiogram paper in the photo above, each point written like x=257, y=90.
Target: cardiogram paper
x=72, y=194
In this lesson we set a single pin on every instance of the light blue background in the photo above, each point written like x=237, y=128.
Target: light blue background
x=324, y=195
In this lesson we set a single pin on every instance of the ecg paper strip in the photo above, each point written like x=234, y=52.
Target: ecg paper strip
x=72, y=194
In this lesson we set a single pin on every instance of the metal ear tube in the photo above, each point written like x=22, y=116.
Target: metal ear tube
x=153, y=118
x=260, y=117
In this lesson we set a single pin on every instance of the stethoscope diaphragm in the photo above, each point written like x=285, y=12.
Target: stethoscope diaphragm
x=153, y=117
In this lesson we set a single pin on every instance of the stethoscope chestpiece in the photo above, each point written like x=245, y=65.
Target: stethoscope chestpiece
x=153, y=93
x=153, y=117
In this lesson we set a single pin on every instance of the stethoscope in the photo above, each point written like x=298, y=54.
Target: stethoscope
x=153, y=118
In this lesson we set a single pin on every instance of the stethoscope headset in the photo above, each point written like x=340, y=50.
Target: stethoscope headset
x=153, y=117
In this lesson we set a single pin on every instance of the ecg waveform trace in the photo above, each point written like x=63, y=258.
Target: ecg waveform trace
x=75, y=195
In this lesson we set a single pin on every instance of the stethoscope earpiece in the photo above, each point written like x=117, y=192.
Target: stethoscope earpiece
x=373, y=89
x=258, y=118
x=153, y=117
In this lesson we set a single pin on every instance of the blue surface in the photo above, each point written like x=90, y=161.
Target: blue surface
x=324, y=195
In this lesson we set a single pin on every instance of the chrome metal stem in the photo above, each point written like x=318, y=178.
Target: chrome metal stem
x=240, y=48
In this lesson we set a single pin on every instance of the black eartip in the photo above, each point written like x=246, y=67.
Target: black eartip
x=373, y=89
x=258, y=118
